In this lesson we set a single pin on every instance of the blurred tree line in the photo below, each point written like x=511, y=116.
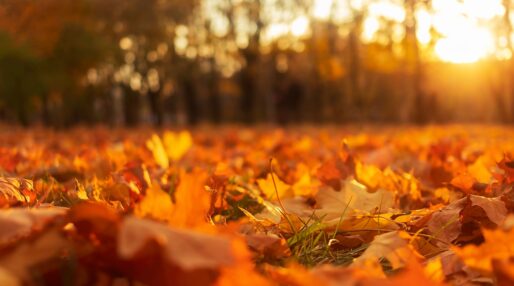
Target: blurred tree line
x=125, y=62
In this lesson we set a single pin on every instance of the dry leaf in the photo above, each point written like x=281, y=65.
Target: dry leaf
x=192, y=201
x=188, y=257
x=393, y=246
x=267, y=186
x=17, y=223
x=446, y=223
x=268, y=245
x=159, y=153
x=21, y=260
x=15, y=191
x=177, y=144
x=354, y=197
x=498, y=246
x=156, y=204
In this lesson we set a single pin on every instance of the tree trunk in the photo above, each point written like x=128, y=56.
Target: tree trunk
x=509, y=75
x=419, y=114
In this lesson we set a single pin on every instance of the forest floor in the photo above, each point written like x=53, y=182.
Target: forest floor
x=257, y=206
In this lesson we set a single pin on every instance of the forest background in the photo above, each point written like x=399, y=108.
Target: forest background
x=130, y=62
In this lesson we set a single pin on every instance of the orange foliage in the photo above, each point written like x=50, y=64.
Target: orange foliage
x=201, y=207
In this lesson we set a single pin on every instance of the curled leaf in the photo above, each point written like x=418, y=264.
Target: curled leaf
x=181, y=257
x=15, y=191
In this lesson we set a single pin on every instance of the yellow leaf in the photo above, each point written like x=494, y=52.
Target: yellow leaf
x=156, y=204
x=303, y=187
x=355, y=223
x=480, y=169
x=306, y=185
x=177, y=144
x=159, y=153
x=374, y=178
x=443, y=194
x=268, y=187
x=81, y=191
x=434, y=269
x=192, y=202
x=369, y=175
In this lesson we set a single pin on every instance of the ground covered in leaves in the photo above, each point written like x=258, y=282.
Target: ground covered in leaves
x=235, y=206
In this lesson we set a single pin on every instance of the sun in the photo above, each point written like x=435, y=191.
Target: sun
x=464, y=36
x=463, y=30
x=465, y=46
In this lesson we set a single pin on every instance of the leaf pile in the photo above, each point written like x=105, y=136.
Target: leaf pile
x=348, y=206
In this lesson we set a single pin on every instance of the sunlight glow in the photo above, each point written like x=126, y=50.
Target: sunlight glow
x=387, y=10
x=453, y=31
x=465, y=38
x=371, y=26
x=468, y=46
x=126, y=43
x=274, y=32
x=300, y=26
x=424, y=21
x=322, y=9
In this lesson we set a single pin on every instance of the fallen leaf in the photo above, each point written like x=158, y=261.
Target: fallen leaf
x=504, y=272
x=29, y=254
x=480, y=169
x=368, y=175
x=494, y=208
x=446, y=223
x=413, y=273
x=94, y=219
x=267, y=186
x=393, y=246
x=8, y=279
x=507, y=166
x=332, y=172
x=305, y=186
x=464, y=182
x=177, y=144
x=354, y=197
x=336, y=276
x=243, y=267
x=15, y=191
x=17, y=223
x=156, y=204
x=188, y=257
x=192, y=201
x=268, y=245
x=160, y=155
x=294, y=275
x=498, y=246
x=190, y=207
